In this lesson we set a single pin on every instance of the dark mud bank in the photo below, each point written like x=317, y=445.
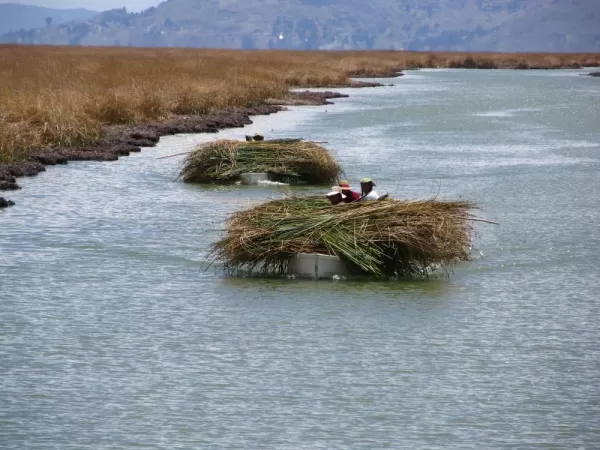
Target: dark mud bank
x=394, y=73
x=122, y=140
x=5, y=203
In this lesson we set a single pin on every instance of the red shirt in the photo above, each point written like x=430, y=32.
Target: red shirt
x=355, y=195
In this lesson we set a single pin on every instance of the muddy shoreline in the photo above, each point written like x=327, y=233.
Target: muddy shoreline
x=122, y=140
x=395, y=73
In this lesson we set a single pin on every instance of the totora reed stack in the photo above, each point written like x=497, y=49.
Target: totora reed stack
x=291, y=160
x=384, y=239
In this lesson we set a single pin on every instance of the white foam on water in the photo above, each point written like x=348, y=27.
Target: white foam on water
x=506, y=112
x=575, y=144
x=271, y=183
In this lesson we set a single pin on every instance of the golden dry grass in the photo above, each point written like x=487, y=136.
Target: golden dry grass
x=64, y=96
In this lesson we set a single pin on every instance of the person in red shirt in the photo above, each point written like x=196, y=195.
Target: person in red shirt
x=351, y=196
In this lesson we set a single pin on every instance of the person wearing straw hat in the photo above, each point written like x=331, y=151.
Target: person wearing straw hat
x=366, y=187
x=335, y=196
x=351, y=196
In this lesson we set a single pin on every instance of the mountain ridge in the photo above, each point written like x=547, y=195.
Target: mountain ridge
x=436, y=25
x=14, y=16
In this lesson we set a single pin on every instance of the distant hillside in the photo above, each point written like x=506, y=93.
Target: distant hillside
x=472, y=25
x=14, y=17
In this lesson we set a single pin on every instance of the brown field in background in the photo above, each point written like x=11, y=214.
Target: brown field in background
x=65, y=96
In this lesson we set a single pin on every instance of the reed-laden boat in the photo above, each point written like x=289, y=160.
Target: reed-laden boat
x=384, y=239
x=293, y=161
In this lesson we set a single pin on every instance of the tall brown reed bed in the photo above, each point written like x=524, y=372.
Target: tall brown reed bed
x=65, y=96
x=388, y=238
x=294, y=161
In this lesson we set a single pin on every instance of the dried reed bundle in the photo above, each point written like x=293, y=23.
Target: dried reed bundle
x=294, y=161
x=389, y=238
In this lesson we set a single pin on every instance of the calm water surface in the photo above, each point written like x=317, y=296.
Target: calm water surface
x=113, y=335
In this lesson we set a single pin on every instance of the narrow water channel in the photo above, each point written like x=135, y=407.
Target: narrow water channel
x=114, y=335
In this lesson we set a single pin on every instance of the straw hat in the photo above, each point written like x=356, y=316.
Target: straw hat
x=335, y=190
x=367, y=180
x=344, y=185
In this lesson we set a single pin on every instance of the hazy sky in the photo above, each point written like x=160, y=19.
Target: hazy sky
x=98, y=5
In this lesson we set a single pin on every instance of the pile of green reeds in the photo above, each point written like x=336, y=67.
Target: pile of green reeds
x=389, y=238
x=294, y=161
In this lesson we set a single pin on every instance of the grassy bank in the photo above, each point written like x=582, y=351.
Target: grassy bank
x=65, y=96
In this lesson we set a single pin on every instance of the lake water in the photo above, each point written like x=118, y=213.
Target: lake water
x=113, y=335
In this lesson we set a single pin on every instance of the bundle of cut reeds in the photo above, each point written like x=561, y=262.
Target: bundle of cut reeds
x=294, y=161
x=390, y=238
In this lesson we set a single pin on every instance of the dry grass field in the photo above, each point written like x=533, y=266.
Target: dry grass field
x=65, y=96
